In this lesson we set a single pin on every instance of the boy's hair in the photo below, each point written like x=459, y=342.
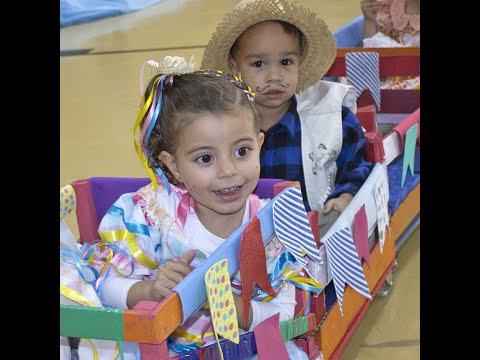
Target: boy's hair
x=287, y=28
x=186, y=97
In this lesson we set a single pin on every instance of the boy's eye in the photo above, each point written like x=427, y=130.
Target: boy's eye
x=287, y=62
x=257, y=63
x=204, y=159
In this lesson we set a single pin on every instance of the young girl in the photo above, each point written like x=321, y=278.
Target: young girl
x=199, y=132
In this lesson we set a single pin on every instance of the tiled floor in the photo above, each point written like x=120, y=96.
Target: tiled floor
x=99, y=98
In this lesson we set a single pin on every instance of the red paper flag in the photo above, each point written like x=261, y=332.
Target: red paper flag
x=253, y=268
x=360, y=235
x=269, y=340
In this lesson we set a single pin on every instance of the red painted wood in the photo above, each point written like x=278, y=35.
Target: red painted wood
x=86, y=212
x=367, y=115
x=382, y=51
x=392, y=101
x=280, y=186
x=154, y=351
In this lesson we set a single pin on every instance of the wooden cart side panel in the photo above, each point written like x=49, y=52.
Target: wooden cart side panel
x=152, y=322
x=336, y=326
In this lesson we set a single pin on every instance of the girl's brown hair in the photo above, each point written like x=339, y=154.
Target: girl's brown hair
x=185, y=98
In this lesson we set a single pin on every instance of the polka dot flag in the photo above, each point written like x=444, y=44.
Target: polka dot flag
x=68, y=200
x=221, y=303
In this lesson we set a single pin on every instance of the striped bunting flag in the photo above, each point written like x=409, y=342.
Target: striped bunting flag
x=292, y=226
x=345, y=265
x=363, y=73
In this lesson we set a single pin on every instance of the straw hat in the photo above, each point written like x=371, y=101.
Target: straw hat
x=319, y=48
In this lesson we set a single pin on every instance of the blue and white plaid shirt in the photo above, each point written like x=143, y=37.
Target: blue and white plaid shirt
x=281, y=155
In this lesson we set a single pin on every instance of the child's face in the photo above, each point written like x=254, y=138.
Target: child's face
x=268, y=59
x=218, y=160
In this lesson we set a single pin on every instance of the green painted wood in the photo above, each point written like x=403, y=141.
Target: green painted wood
x=91, y=322
x=291, y=329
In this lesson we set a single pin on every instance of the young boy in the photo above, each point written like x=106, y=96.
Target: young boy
x=282, y=50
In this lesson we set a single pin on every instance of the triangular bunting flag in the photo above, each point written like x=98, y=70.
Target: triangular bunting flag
x=269, y=340
x=345, y=265
x=360, y=235
x=292, y=226
x=363, y=73
x=381, y=203
x=409, y=152
x=253, y=264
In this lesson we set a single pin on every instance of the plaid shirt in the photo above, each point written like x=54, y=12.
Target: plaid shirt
x=281, y=155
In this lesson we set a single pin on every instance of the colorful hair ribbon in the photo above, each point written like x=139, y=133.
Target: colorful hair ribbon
x=149, y=124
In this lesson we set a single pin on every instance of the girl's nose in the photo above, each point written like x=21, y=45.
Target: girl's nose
x=226, y=167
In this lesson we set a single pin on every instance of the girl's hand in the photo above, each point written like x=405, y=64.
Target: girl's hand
x=170, y=274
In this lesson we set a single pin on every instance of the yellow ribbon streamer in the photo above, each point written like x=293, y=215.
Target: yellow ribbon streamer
x=139, y=151
x=74, y=295
x=135, y=250
x=95, y=353
x=180, y=332
x=292, y=276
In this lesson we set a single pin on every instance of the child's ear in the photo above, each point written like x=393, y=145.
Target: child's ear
x=233, y=65
x=169, y=161
x=261, y=138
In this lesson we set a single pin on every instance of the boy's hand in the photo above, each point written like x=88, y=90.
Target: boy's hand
x=170, y=274
x=339, y=204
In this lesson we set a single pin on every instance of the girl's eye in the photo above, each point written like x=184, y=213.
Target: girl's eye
x=204, y=159
x=241, y=152
x=257, y=63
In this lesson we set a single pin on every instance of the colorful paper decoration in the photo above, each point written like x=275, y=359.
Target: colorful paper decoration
x=381, y=202
x=68, y=200
x=269, y=340
x=409, y=152
x=363, y=73
x=253, y=268
x=292, y=226
x=220, y=300
x=345, y=265
x=360, y=235
x=407, y=123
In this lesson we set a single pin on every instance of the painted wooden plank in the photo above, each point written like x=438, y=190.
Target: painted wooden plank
x=389, y=65
x=341, y=51
x=91, y=322
x=152, y=322
x=86, y=212
x=335, y=326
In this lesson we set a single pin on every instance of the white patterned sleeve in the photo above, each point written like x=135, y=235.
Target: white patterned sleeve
x=284, y=303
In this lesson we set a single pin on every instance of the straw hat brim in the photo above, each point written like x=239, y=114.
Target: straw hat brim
x=320, y=45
